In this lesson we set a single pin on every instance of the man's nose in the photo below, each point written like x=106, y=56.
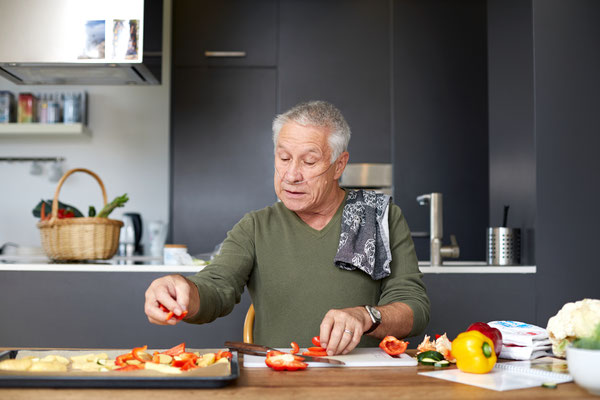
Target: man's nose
x=293, y=173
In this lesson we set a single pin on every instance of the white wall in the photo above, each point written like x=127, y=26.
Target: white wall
x=128, y=148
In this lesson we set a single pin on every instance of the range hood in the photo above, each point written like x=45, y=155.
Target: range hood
x=81, y=42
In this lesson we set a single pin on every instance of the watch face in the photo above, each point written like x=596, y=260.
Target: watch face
x=376, y=313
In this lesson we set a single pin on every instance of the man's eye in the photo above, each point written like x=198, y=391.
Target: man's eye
x=309, y=163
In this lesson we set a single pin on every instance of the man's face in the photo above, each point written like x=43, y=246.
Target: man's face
x=305, y=180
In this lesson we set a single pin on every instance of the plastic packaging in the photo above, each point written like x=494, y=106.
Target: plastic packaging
x=522, y=341
x=72, y=108
x=7, y=107
x=27, y=105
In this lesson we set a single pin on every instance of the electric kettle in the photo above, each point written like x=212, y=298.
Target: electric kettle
x=131, y=235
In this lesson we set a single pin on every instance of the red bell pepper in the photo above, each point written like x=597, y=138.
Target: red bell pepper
x=494, y=334
x=315, y=353
x=284, y=362
x=316, y=341
x=171, y=314
x=295, y=348
x=123, y=358
x=139, y=353
x=393, y=346
x=223, y=354
x=175, y=351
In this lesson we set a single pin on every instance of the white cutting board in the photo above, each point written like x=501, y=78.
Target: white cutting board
x=359, y=357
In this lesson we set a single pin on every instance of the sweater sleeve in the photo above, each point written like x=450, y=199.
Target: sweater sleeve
x=405, y=282
x=222, y=282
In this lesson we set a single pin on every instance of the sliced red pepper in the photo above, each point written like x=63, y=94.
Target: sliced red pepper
x=285, y=362
x=189, y=364
x=223, y=354
x=171, y=314
x=393, y=346
x=181, y=363
x=316, y=349
x=121, y=360
x=295, y=348
x=176, y=350
x=272, y=353
x=316, y=341
x=139, y=353
x=315, y=353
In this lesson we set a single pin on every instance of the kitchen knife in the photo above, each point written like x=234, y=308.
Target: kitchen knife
x=258, y=350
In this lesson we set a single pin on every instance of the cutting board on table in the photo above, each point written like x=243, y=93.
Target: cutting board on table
x=360, y=357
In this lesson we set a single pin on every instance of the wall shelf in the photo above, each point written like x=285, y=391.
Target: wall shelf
x=17, y=129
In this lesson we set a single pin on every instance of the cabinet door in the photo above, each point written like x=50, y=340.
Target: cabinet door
x=225, y=26
x=458, y=300
x=222, y=150
x=440, y=114
x=339, y=51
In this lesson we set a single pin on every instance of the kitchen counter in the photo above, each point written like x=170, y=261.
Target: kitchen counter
x=331, y=383
x=150, y=264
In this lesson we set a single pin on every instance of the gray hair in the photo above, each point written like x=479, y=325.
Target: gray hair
x=320, y=114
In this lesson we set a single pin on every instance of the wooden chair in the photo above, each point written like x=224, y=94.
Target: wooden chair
x=249, y=325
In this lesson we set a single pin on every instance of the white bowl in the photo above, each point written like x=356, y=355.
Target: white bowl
x=583, y=367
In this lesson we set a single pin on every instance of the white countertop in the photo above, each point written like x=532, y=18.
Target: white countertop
x=150, y=264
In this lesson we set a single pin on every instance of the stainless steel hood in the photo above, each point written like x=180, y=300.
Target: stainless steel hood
x=81, y=42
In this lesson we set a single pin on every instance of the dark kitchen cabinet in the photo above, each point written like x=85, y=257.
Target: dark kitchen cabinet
x=440, y=118
x=225, y=26
x=458, y=300
x=339, y=51
x=97, y=310
x=222, y=151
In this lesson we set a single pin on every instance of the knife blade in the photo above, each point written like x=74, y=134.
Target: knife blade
x=259, y=350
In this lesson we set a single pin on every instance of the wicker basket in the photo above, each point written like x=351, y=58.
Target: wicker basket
x=83, y=238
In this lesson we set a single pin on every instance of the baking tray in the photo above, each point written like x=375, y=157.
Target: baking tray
x=199, y=378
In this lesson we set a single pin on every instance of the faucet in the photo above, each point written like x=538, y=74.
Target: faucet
x=436, y=232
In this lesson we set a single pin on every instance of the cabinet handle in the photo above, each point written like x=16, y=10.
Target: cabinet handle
x=225, y=53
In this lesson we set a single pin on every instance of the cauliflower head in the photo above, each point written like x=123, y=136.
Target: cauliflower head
x=574, y=320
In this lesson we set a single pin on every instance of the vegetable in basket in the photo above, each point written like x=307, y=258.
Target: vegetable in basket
x=117, y=202
x=66, y=209
x=43, y=209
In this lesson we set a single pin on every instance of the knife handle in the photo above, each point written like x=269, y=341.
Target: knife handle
x=248, y=346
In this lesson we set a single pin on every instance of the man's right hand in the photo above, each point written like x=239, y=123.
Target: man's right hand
x=176, y=293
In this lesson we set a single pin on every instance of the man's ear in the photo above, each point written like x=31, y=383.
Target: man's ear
x=340, y=164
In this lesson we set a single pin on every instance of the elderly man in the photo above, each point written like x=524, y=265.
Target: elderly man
x=323, y=261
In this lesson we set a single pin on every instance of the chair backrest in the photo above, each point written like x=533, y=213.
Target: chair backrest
x=249, y=325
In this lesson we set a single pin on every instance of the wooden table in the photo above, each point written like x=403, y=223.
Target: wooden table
x=327, y=383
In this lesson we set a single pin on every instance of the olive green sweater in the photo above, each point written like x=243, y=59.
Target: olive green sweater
x=289, y=270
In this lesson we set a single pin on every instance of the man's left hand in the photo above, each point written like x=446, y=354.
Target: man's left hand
x=342, y=329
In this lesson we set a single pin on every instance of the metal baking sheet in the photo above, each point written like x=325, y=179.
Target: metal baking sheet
x=214, y=376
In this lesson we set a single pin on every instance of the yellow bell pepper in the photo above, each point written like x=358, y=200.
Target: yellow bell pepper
x=474, y=352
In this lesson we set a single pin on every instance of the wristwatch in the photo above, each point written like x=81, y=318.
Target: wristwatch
x=375, y=317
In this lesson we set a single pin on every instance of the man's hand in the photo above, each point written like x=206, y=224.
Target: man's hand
x=341, y=330
x=174, y=292
x=396, y=320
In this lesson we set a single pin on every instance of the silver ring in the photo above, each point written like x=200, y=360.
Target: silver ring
x=349, y=332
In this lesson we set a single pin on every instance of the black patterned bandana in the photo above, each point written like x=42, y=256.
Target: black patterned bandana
x=365, y=236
